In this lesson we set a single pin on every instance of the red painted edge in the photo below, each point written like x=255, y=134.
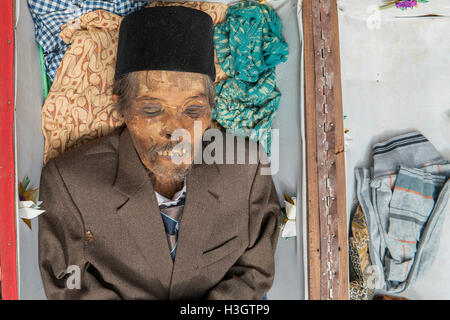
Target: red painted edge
x=7, y=173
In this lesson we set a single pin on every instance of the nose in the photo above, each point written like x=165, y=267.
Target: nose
x=168, y=128
x=166, y=134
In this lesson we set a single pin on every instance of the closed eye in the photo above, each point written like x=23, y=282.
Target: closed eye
x=194, y=111
x=152, y=110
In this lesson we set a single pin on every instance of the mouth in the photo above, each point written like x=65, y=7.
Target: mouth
x=171, y=153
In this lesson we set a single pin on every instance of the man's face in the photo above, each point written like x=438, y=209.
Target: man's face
x=166, y=101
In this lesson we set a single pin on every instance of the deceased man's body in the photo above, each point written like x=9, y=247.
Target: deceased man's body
x=124, y=220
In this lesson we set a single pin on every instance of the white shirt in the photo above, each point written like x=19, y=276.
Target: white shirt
x=176, y=197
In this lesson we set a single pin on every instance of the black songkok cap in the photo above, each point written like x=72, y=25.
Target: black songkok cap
x=166, y=38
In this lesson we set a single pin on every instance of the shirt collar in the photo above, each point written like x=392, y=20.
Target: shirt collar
x=176, y=197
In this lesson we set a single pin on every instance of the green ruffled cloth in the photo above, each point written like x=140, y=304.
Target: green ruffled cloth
x=249, y=45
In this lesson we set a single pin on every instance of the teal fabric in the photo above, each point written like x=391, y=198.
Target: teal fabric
x=249, y=45
x=246, y=108
x=250, y=41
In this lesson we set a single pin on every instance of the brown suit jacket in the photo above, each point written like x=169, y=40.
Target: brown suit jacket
x=102, y=216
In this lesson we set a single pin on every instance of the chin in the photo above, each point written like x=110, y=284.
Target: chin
x=177, y=172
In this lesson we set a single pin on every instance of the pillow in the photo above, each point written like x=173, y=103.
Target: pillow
x=78, y=106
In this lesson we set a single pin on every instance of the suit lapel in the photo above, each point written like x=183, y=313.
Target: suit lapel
x=202, y=197
x=138, y=208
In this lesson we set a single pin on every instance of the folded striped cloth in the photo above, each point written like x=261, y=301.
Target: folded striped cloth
x=409, y=150
x=404, y=199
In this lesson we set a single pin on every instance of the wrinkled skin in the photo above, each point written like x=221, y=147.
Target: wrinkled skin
x=166, y=101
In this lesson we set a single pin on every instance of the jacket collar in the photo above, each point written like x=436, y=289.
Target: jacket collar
x=131, y=173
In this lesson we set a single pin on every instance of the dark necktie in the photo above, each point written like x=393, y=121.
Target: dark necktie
x=171, y=217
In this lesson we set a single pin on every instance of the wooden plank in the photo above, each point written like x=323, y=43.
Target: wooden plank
x=342, y=226
x=327, y=227
x=313, y=228
x=7, y=172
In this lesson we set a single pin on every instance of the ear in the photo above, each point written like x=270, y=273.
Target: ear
x=115, y=112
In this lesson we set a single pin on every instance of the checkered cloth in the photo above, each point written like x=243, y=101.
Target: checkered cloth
x=50, y=15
